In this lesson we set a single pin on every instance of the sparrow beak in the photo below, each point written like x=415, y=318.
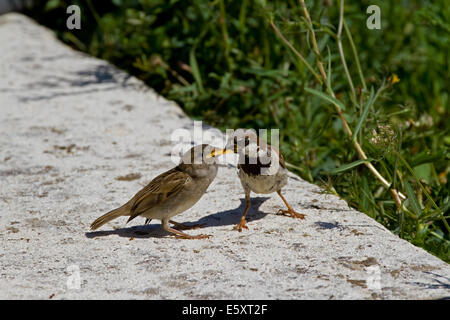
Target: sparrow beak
x=218, y=152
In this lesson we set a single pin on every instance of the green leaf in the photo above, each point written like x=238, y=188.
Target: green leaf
x=364, y=114
x=52, y=4
x=196, y=71
x=424, y=191
x=264, y=72
x=329, y=70
x=423, y=171
x=365, y=194
x=348, y=166
x=426, y=158
x=183, y=89
x=412, y=199
x=326, y=97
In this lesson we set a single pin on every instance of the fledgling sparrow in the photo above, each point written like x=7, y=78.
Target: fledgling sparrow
x=261, y=169
x=172, y=192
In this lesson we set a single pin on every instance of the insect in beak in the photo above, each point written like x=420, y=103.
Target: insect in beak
x=218, y=152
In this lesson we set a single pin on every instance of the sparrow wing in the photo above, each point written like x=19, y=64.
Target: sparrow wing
x=159, y=189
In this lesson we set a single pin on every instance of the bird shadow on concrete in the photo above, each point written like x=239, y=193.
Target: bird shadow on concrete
x=232, y=216
x=222, y=218
x=143, y=231
x=440, y=282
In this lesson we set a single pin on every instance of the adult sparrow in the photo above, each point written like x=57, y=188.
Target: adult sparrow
x=172, y=192
x=261, y=169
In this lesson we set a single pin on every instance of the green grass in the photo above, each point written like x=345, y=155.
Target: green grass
x=225, y=63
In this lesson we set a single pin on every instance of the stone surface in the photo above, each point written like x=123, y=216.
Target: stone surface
x=79, y=137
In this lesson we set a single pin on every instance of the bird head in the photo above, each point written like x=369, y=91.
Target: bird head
x=246, y=143
x=253, y=151
x=200, y=160
x=243, y=141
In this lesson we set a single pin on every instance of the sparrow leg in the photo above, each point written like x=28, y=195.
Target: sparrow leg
x=289, y=212
x=180, y=226
x=181, y=235
x=243, y=222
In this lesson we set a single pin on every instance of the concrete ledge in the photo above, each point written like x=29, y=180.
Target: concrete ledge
x=71, y=125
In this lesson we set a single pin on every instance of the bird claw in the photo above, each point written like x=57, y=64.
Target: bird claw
x=291, y=213
x=242, y=224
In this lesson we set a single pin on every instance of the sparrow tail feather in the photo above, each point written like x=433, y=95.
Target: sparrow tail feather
x=111, y=215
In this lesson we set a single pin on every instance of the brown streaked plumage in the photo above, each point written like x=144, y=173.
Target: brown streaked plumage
x=172, y=192
x=261, y=169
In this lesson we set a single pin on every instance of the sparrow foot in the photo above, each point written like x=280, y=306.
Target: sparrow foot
x=181, y=235
x=240, y=225
x=291, y=213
